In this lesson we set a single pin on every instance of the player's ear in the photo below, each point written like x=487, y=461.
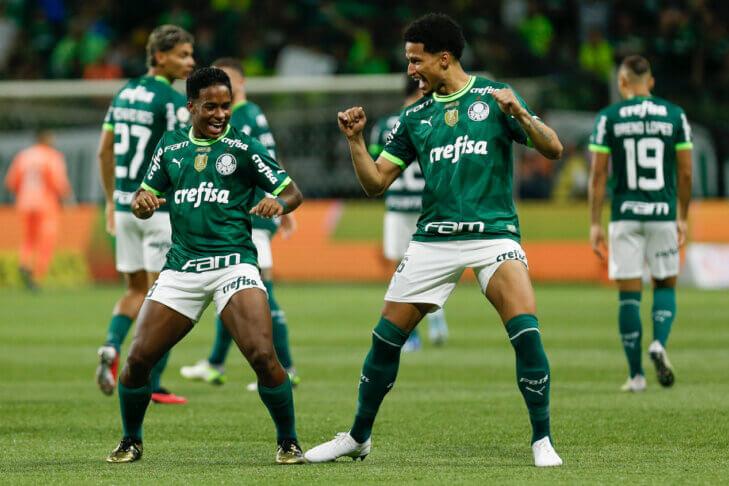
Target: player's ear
x=160, y=58
x=445, y=59
x=651, y=82
x=190, y=106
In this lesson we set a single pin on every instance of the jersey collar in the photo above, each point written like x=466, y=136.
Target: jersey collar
x=457, y=94
x=207, y=141
x=238, y=105
x=162, y=79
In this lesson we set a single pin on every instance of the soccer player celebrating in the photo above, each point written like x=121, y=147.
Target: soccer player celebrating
x=139, y=115
x=649, y=142
x=249, y=118
x=208, y=176
x=461, y=133
x=403, y=200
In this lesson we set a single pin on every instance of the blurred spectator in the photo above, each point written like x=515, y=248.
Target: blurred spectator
x=8, y=33
x=537, y=31
x=571, y=181
x=596, y=56
x=535, y=176
x=37, y=177
x=104, y=68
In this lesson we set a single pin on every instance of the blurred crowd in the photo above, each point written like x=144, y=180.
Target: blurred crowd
x=105, y=39
x=572, y=45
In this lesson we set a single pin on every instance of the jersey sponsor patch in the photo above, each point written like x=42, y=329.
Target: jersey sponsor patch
x=645, y=208
x=226, y=164
x=201, y=161
x=451, y=117
x=478, y=111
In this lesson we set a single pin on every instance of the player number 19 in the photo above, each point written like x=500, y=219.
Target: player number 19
x=649, y=152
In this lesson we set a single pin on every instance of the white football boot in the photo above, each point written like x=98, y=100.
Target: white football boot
x=634, y=384
x=343, y=445
x=664, y=370
x=544, y=453
x=204, y=371
x=107, y=369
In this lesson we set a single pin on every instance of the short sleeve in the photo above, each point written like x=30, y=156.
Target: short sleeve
x=684, y=139
x=157, y=181
x=600, y=137
x=399, y=147
x=265, y=171
x=515, y=130
x=108, y=125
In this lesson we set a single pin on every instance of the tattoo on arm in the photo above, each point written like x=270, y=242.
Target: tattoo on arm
x=539, y=128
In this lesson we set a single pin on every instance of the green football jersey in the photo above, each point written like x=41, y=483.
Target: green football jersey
x=249, y=118
x=463, y=143
x=143, y=110
x=405, y=194
x=210, y=187
x=642, y=135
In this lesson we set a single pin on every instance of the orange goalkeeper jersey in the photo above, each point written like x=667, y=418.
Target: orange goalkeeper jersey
x=38, y=178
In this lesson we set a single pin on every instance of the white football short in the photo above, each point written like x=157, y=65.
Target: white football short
x=189, y=293
x=142, y=244
x=262, y=239
x=398, y=230
x=634, y=243
x=429, y=271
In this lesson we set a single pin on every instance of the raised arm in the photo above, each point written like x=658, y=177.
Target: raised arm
x=545, y=139
x=106, y=169
x=596, y=197
x=684, y=192
x=373, y=176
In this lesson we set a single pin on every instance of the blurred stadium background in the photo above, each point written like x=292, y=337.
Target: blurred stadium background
x=60, y=63
x=61, y=60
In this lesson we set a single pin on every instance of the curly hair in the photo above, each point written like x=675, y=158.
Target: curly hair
x=437, y=32
x=203, y=78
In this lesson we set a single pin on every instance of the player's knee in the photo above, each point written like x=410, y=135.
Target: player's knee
x=138, y=367
x=262, y=360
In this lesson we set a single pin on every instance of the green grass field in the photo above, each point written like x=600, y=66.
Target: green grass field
x=455, y=415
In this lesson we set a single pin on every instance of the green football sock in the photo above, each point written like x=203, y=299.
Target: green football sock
x=133, y=403
x=280, y=330
x=279, y=401
x=156, y=375
x=221, y=345
x=118, y=329
x=631, y=330
x=664, y=311
x=532, y=371
x=378, y=376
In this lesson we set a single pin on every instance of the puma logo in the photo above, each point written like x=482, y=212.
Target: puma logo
x=178, y=162
x=427, y=122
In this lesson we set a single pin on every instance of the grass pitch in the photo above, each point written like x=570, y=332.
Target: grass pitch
x=454, y=416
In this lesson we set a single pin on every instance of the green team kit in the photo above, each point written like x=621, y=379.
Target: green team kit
x=642, y=135
x=211, y=187
x=134, y=118
x=405, y=194
x=463, y=144
x=249, y=118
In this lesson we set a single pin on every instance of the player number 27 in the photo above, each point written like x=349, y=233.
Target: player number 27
x=125, y=132
x=648, y=153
